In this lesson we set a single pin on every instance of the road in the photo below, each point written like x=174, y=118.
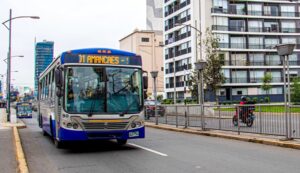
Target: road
x=160, y=152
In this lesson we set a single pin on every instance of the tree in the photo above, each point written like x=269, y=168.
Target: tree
x=295, y=90
x=266, y=86
x=213, y=76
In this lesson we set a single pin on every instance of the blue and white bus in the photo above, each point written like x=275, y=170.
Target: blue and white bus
x=93, y=94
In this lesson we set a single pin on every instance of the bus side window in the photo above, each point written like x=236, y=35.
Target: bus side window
x=53, y=85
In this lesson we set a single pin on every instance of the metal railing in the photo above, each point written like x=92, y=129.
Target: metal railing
x=270, y=119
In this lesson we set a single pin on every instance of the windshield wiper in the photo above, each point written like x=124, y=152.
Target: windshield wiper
x=126, y=111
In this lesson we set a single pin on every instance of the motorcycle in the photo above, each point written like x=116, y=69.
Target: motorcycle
x=246, y=116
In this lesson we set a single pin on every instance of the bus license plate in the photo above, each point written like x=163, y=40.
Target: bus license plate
x=134, y=134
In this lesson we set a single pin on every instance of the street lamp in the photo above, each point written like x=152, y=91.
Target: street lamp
x=19, y=56
x=285, y=50
x=9, y=27
x=200, y=66
x=154, y=76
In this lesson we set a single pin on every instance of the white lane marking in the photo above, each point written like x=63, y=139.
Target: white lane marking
x=148, y=149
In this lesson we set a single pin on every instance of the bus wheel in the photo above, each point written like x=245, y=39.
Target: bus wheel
x=45, y=133
x=58, y=144
x=121, y=141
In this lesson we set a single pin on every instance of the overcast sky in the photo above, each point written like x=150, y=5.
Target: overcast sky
x=71, y=24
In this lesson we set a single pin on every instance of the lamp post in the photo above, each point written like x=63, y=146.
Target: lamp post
x=9, y=27
x=285, y=50
x=154, y=76
x=200, y=66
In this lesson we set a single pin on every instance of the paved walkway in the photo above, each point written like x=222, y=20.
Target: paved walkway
x=8, y=163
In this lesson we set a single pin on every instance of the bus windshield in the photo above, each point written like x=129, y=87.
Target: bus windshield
x=103, y=90
x=24, y=108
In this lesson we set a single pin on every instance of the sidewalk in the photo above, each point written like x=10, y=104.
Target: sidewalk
x=8, y=161
x=248, y=137
x=11, y=154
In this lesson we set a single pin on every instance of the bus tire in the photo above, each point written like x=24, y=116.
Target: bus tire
x=58, y=144
x=40, y=121
x=121, y=141
x=45, y=133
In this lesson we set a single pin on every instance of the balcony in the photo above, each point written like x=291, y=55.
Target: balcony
x=250, y=46
x=182, y=52
x=177, y=38
x=255, y=29
x=252, y=80
x=180, y=84
x=239, y=80
x=258, y=63
x=177, y=7
x=253, y=12
x=170, y=85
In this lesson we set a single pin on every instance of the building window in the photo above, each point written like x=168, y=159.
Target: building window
x=238, y=42
x=255, y=26
x=271, y=10
x=256, y=59
x=288, y=26
x=144, y=39
x=256, y=43
x=239, y=59
x=287, y=10
x=239, y=91
x=255, y=9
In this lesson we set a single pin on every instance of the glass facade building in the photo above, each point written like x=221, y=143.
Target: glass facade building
x=43, y=57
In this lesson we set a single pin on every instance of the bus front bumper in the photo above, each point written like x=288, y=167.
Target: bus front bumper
x=72, y=135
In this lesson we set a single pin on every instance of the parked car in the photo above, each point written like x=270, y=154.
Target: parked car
x=150, y=108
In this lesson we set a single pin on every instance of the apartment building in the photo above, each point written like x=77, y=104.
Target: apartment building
x=248, y=31
x=147, y=44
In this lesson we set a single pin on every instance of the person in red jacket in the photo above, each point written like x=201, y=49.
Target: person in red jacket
x=243, y=109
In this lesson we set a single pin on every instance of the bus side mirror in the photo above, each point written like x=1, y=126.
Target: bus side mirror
x=145, y=81
x=58, y=78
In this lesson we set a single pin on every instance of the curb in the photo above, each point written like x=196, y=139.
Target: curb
x=273, y=142
x=20, y=156
x=20, y=124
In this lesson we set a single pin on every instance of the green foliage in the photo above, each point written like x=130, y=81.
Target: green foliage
x=212, y=74
x=267, y=99
x=295, y=90
x=160, y=98
x=255, y=99
x=267, y=79
x=167, y=101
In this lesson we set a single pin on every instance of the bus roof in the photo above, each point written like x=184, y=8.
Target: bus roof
x=100, y=56
x=104, y=51
x=136, y=60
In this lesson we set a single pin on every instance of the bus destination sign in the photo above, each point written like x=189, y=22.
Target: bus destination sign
x=102, y=59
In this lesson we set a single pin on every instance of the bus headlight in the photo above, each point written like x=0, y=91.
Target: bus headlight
x=69, y=125
x=136, y=123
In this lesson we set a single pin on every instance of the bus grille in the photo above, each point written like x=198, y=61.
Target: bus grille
x=102, y=125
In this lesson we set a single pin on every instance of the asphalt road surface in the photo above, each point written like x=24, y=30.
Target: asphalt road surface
x=160, y=152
